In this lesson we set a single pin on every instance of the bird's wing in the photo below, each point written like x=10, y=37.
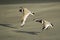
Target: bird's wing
x=24, y=19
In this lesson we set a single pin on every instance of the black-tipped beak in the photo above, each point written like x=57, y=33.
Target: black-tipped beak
x=52, y=24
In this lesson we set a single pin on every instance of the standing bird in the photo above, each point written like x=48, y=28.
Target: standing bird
x=25, y=13
x=45, y=23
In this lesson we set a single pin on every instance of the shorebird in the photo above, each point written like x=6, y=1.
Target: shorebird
x=45, y=23
x=25, y=15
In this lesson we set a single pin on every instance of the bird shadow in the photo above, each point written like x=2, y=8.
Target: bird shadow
x=28, y=32
x=7, y=25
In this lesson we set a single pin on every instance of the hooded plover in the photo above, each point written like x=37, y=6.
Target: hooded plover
x=25, y=13
x=45, y=23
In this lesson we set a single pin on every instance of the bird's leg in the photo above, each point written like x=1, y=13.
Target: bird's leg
x=43, y=28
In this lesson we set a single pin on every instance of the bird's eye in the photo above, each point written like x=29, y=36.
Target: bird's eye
x=20, y=10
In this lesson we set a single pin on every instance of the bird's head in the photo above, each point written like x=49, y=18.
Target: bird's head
x=38, y=20
x=21, y=9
